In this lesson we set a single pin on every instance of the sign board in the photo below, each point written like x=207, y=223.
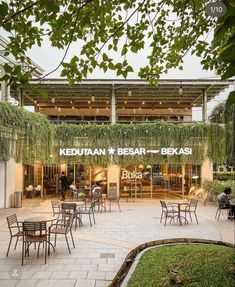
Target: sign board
x=113, y=192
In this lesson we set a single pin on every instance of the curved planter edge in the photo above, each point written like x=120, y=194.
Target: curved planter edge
x=130, y=258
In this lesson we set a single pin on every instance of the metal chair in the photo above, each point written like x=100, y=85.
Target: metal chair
x=114, y=199
x=100, y=200
x=191, y=208
x=55, y=207
x=168, y=211
x=62, y=227
x=89, y=211
x=68, y=208
x=34, y=232
x=15, y=230
x=221, y=206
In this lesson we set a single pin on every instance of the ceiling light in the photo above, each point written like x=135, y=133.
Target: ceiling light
x=134, y=110
x=73, y=107
x=160, y=103
x=97, y=110
x=125, y=102
x=89, y=102
x=93, y=98
x=59, y=109
x=181, y=92
x=71, y=102
x=107, y=102
x=178, y=102
x=107, y=108
x=35, y=102
x=90, y=107
x=139, y=108
x=143, y=103
x=123, y=108
x=129, y=93
x=53, y=100
x=55, y=107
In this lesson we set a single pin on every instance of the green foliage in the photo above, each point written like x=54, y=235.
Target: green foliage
x=30, y=137
x=224, y=39
x=150, y=136
x=197, y=265
x=217, y=186
x=27, y=137
x=224, y=176
x=104, y=28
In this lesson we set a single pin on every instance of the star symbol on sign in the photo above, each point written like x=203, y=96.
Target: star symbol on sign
x=111, y=150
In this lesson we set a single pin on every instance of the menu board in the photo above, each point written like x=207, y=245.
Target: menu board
x=113, y=193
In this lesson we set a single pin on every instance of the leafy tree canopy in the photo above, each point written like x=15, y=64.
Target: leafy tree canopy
x=167, y=29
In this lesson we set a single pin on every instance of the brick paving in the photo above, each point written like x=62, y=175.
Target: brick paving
x=100, y=249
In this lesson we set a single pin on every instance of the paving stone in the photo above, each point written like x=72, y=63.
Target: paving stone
x=96, y=275
x=60, y=275
x=78, y=274
x=26, y=283
x=41, y=275
x=8, y=283
x=85, y=283
x=102, y=283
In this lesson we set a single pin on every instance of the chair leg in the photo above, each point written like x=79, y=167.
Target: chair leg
x=195, y=216
x=55, y=240
x=38, y=248
x=119, y=206
x=9, y=246
x=161, y=217
x=46, y=251
x=216, y=213
x=165, y=219
x=219, y=214
x=16, y=242
x=22, y=257
x=67, y=243
x=90, y=219
x=190, y=216
x=72, y=238
x=94, y=217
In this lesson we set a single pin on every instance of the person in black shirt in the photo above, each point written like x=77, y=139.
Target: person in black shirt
x=64, y=183
x=225, y=203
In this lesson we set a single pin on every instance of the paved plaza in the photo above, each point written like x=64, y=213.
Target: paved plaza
x=100, y=249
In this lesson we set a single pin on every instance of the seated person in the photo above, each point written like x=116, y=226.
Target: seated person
x=224, y=202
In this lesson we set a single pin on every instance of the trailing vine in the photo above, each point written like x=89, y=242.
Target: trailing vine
x=30, y=137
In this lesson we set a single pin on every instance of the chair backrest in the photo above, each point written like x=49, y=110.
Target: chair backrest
x=163, y=204
x=33, y=227
x=193, y=204
x=12, y=220
x=55, y=205
x=68, y=207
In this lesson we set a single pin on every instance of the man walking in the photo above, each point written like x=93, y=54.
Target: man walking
x=64, y=183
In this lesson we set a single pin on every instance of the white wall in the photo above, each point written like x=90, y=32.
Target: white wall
x=19, y=178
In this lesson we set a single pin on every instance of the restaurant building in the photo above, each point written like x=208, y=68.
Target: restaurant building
x=123, y=133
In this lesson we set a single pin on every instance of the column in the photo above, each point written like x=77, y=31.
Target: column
x=206, y=170
x=204, y=106
x=113, y=106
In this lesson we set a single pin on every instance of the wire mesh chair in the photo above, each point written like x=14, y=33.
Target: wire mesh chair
x=168, y=211
x=90, y=211
x=191, y=208
x=220, y=207
x=68, y=208
x=34, y=232
x=62, y=227
x=15, y=230
x=55, y=204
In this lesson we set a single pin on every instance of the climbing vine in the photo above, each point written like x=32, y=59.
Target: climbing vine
x=30, y=137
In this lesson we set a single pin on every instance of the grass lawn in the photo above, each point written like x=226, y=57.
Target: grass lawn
x=197, y=266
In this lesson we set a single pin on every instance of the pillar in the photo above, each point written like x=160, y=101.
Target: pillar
x=113, y=106
x=204, y=106
x=206, y=170
x=183, y=179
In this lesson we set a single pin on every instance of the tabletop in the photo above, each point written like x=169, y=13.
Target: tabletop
x=40, y=218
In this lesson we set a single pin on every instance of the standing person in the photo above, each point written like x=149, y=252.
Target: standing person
x=64, y=183
x=224, y=201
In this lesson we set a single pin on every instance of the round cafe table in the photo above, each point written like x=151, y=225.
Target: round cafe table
x=179, y=216
x=40, y=218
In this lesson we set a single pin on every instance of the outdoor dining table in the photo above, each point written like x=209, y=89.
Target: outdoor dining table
x=179, y=203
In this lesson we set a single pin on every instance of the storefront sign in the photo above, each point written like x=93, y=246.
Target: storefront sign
x=124, y=151
x=131, y=175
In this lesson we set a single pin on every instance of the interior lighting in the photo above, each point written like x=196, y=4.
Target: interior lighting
x=141, y=166
x=89, y=102
x=35, y=102
x=107, y=102
x=139, y=108
x=129, y=93
x=93, y=98
x=123, y=108
x=73, y=107
x=134, y=111
x=125, y=102
x=55, y=107
x=59, y=109
x=143, y=103
x=181, y=92
x=149, y=166
x=90, y=107
x=160, y=103
x=97, y=110
x=178, y=102
x=107, y=108
x=53, y=100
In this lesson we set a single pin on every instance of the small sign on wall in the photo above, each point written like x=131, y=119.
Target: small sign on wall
x=113, y=192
